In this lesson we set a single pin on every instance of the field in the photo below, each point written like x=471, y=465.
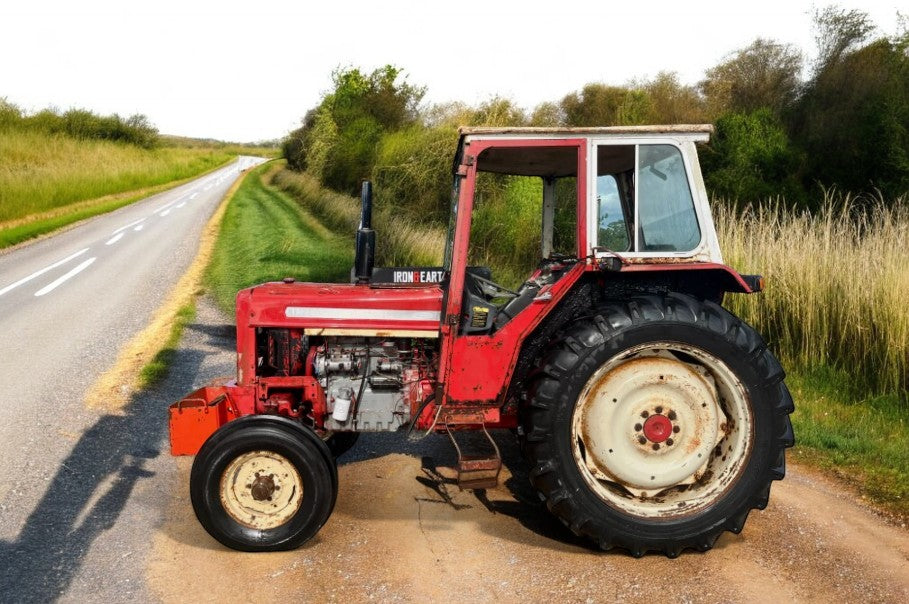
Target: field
x=50, y=180
x=835, y=313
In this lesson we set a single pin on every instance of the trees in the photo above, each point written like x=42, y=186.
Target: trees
x=763, y=74
x=852, y=120
x=847, y=125
x=339, y=138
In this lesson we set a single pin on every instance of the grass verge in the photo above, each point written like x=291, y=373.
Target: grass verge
x=859, y=439
x=156, y=369
x=41, y=172
x=267, y=235
x=402, y=242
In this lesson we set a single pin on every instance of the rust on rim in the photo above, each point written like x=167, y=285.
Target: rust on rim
x=648, y=424
x=261, y=490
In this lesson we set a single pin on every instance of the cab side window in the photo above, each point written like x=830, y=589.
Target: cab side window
x=643, y=200
x=666, y=214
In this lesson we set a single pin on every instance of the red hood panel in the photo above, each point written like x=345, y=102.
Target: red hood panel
x=344, y=306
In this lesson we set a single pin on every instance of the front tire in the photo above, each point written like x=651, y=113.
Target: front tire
x=263, y=483
x=657, y=425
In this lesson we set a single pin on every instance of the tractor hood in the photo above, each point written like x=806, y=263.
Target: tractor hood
x=343, y=309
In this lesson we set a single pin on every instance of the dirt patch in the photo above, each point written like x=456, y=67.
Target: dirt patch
x=114, y=389
x=401, y=532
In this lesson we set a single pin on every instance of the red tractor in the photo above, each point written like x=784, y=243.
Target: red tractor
x=652, y=419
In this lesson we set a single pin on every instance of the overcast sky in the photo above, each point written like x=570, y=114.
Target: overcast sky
x=248, y=70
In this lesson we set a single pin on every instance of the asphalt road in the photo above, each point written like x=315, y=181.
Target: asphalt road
x=67, y=305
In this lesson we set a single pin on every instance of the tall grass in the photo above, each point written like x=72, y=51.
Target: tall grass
x=837, y=285
x=41, y=172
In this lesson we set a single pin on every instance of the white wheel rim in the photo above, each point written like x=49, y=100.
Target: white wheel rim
x=261, y=490
x=662, y=430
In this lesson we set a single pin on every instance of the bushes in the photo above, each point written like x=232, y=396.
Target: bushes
x=413, y=171
x=853, y=121
x=750, y=158
x=81, y=124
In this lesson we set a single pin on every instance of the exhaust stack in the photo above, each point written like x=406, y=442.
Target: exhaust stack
x=366, y=238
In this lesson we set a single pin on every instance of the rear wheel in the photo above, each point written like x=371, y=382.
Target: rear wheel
x=263, y=483
x=657, y=425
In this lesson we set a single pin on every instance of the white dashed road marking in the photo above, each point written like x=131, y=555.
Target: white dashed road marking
x=126, y=226
x=52, y=286
x=114, y=239
x=41, y=272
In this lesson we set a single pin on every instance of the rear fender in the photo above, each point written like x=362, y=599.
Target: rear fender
x=705, y=280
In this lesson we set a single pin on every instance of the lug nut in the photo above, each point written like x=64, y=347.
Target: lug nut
x=642, y=440
x=638, y=427
x=671, y=415
x=668, y=442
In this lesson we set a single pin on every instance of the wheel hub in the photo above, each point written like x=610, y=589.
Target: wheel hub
x=263, y=487
x=657, y=428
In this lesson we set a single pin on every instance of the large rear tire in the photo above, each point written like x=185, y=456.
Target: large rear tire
x=657, y=424
x=263, y=483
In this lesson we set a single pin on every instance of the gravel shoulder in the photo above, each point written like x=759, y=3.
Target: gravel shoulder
x=402, y=531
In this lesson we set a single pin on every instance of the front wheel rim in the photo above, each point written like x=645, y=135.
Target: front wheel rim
x=662, y=430
x=261, y=490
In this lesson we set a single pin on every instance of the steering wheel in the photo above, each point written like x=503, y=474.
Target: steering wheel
x=503, y=292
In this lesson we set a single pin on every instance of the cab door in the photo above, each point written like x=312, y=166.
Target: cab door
x=475, y=368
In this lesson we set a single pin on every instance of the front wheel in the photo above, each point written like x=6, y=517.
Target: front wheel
x=263, y=483
x=657, y=425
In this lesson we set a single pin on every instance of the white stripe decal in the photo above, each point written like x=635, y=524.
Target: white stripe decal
x=372, y=314
x=41, y=272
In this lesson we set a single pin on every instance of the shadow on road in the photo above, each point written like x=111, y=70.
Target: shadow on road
x=93, y=484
